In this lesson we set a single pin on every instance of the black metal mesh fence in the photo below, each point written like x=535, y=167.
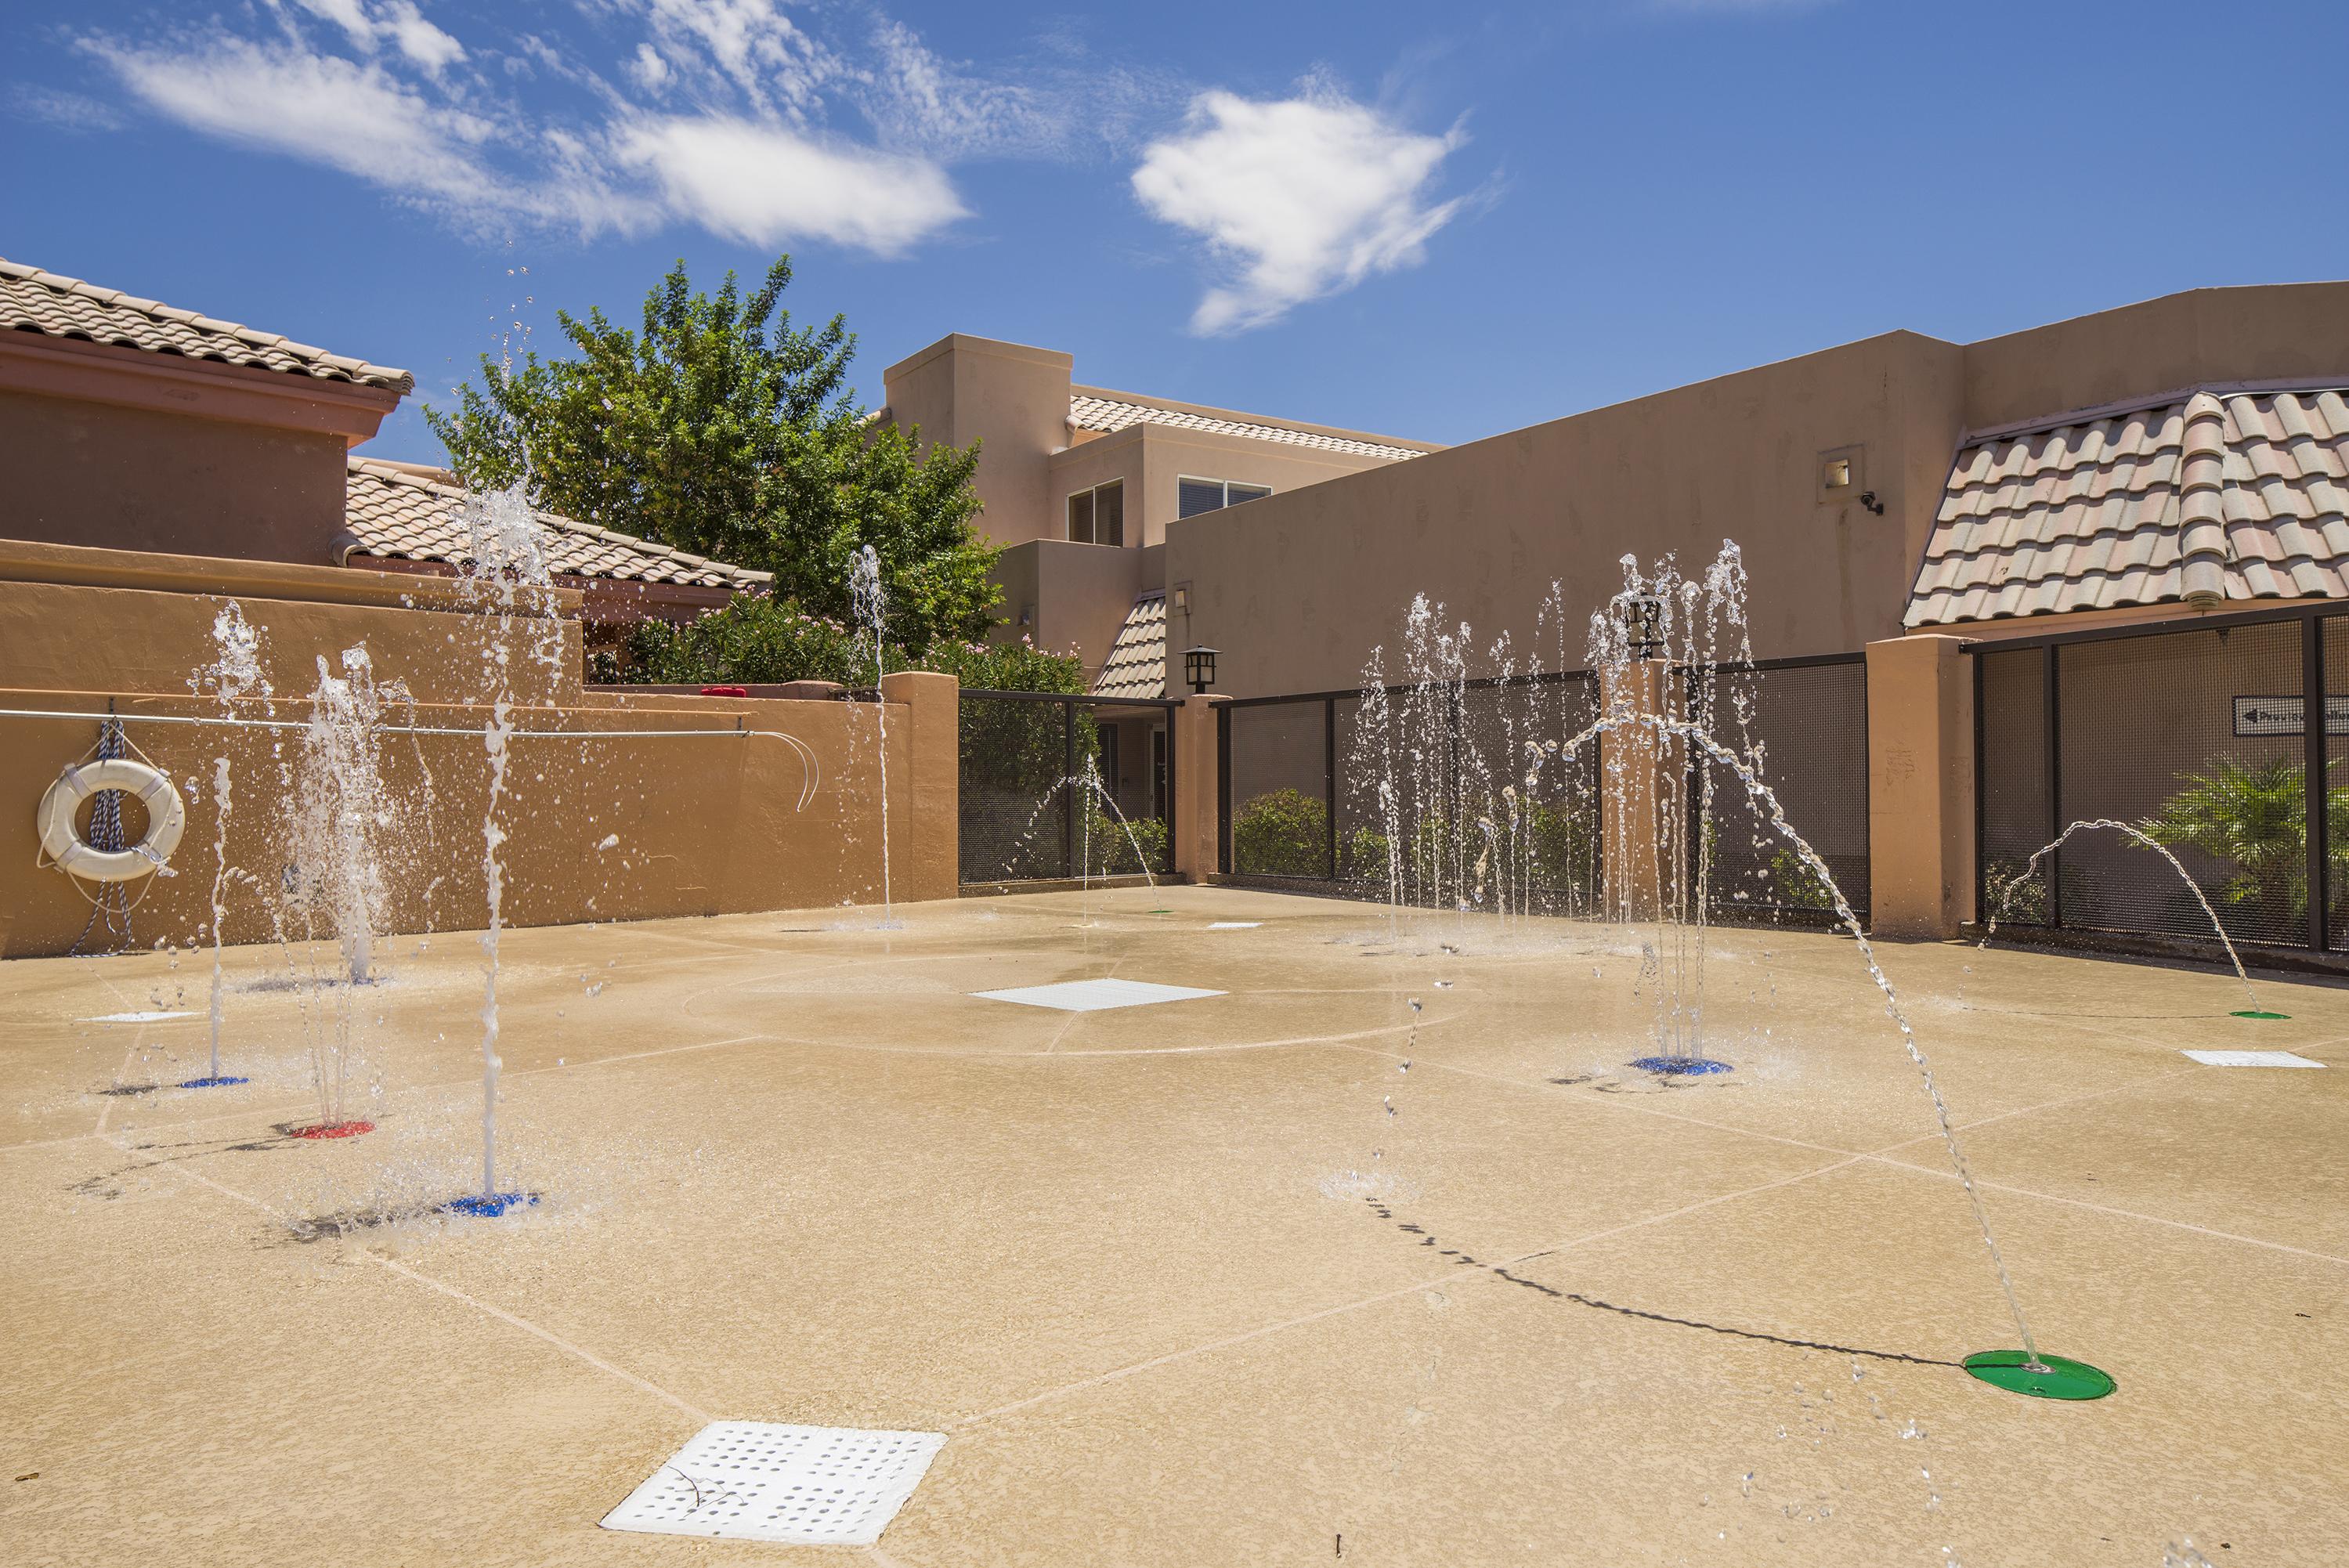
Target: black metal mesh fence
x=1439, y=794
x=1055, y=787
x=2334, y=646
x=1280, y=766
x=2017, y=815
x=2196, y=747
x=1806, y=726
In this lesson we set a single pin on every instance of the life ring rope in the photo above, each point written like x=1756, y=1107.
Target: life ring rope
x=62, y=845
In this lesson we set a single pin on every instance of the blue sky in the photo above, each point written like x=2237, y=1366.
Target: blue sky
x=1436, y=221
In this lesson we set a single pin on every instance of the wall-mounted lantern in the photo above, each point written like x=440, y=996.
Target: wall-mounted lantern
x=1199, y=667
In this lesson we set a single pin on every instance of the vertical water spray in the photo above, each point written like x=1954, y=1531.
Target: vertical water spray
x=511, y=587
x=342, y=824
x=233, y=674
x=871, y=608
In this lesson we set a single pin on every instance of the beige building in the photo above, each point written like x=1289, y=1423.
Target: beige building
x=1081, y=484
x=2081, y=571
x=128, y=424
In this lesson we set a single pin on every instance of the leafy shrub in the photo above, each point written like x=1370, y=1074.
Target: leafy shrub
x=1111, y=852
x=1283, y=834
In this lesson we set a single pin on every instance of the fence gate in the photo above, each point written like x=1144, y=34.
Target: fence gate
x=1055, y=787
x=2215, y=744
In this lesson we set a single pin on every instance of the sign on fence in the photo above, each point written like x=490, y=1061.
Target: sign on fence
x=2287, y=715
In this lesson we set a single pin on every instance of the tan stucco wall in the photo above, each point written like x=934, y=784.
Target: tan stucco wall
x=132, y=479
x=1081, y=593
x=2276, y=332
x=1920, y=786
x=1011, y=398
x=1153, y=460
x=703, y=825
x=1198, y=806
x=1014, y=400
x=1297, y=588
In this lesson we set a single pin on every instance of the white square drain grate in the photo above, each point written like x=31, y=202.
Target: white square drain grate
x=759, y=1480
x=2252, y=1059
x=1094, y=996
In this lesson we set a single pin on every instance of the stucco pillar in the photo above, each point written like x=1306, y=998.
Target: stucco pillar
x=1639, y=789
x=927, y=866
x=1920, y=786
x=1198, y=795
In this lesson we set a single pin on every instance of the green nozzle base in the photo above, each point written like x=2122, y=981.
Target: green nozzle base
x=2058, y=1377
x=2257, y=1013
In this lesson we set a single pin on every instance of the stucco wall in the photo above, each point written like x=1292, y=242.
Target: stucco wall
x=1296, y=589
x=705, y=823
x=133, y=479
x=1012, y=400
x=1153, y=461
x=2278, y=331
x=1081, y=593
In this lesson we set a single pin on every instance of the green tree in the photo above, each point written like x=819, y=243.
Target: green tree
x=723, y=430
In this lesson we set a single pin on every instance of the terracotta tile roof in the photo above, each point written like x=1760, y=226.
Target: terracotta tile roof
x=2210, y=499
x=406, y=511
x=1088, y=411
x=1136, y=666
x=33, y=301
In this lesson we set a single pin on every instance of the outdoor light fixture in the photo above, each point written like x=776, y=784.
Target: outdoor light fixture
x=1199, y=667
x=1867, y=499
x=1643, y=615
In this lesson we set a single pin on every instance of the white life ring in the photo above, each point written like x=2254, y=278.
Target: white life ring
x=167, y=817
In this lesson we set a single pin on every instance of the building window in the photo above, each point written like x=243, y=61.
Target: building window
x=1097, y=516
x=1196, y=496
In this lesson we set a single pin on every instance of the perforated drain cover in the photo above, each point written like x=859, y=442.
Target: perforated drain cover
x=135, y=1017
x=1234, y=925
x=1094, y=996
x=759, y=1480
x=2252, y=1059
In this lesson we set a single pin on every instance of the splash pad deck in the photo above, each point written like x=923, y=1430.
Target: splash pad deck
x=1097, y=1250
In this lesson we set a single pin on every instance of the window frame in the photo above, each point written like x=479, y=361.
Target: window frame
x=1223, y=485
x=1093, y=513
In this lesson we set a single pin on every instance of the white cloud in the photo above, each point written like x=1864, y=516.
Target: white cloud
x=65, y=110
x=647, y=69
x=319, y=107
x=733, y=115
x=418, y=40
x=748, y=45
x=1298, y=199
x=768, y=185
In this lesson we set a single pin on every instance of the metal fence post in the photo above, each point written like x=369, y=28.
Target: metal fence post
x=2313, y=728
x=2055, y=734
x=1329, y=778
x=1069, y=790
x=1224, y=788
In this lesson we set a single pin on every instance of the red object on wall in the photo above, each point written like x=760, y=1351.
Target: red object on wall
x=726, y=691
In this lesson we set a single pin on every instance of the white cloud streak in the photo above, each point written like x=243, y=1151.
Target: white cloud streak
x=322, y=108
x=372, y=88
x=769, y=185
x=1296, y=199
